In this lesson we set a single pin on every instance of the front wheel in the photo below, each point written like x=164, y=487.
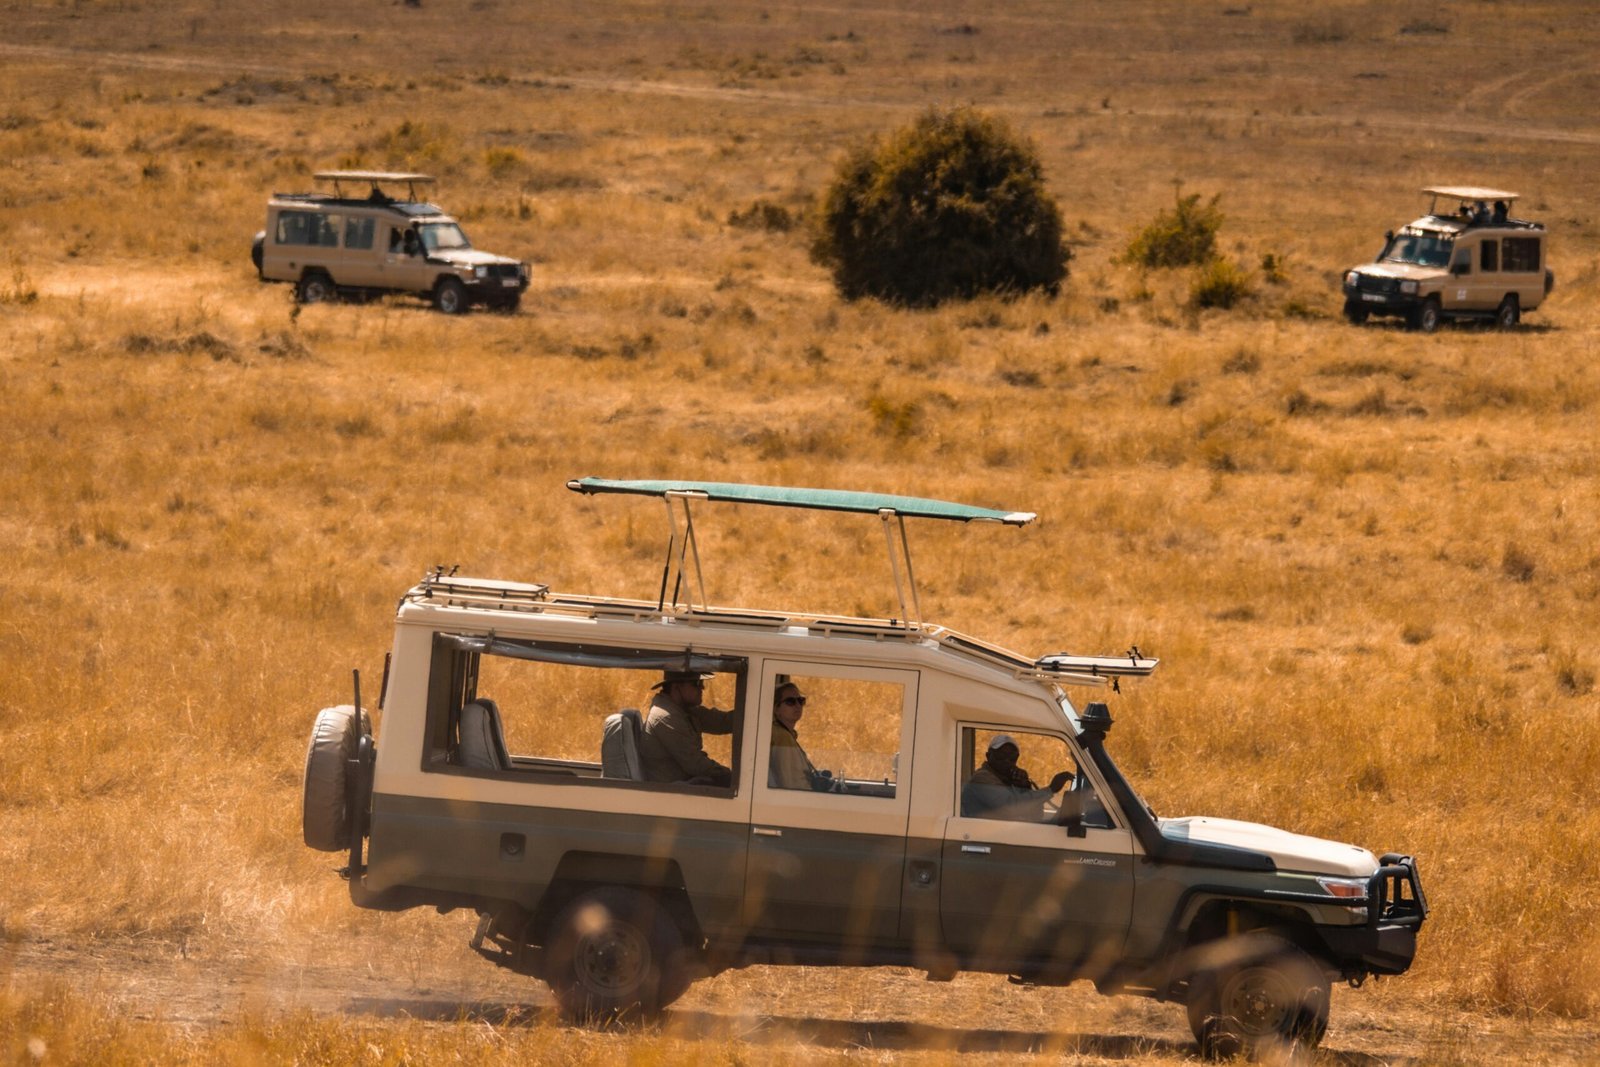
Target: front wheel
x=1509, y=313
x=1268, y=995
x=614, y=956
x=1426, y=318
x=1355, y=313
x=450, y=296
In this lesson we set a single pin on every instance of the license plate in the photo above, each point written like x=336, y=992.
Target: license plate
x=509, y=283
x=1376, y=298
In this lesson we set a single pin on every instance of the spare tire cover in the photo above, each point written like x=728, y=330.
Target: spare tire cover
x=326, y=816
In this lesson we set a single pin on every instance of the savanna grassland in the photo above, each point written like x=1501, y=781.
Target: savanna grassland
x=1366, y=557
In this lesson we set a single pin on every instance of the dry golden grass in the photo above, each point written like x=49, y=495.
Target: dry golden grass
x=1366, y=557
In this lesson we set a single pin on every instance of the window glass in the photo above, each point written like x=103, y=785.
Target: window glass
x=1024, y=777
x=1521, y=254
x=443, y=236
x=294, y=227
x=844, y=738
x=542, y=711
x=1489, y=257
x=327, y=230
x=358, y=233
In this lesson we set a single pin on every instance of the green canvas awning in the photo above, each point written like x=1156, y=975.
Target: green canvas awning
x=816, y=499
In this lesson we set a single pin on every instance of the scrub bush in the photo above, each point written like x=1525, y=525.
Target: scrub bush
x=1182, y=237
x=949, y=207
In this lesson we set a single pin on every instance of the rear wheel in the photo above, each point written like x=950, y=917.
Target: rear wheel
x=1269, y=996
x=315, y=288
x=1426, y=317
x=1509, y=313
x=450, y=296
x=614, y=956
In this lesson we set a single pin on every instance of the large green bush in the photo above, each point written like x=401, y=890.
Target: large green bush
x=947, y=208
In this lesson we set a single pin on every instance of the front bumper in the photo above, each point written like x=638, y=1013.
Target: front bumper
x=1396, y=909
x=1380, y=302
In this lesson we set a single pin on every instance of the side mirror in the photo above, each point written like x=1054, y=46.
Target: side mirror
x=1070, y=813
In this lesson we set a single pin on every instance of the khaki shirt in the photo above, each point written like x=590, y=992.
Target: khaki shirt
x=985, y=796
x=670, y=749
x=789, y=767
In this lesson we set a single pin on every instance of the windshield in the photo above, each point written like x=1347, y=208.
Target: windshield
x=443, y=236
x=1423, y=250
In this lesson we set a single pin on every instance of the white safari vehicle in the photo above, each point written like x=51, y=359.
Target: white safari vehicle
x=524, y=771
x=367, y=243
x=1466, y=258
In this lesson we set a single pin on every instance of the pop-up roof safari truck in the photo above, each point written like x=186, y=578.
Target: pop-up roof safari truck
x=507, y=780
x=1466, y=258
x=336, y=243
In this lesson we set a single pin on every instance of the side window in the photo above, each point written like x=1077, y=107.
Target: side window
x=294, y=228
x=530, y=711
x=1521, y=254
x=1024, y=777
x=835, y=735
x=358, y=233
x=327, y=232
x=1462, y=263
x=1489, y=257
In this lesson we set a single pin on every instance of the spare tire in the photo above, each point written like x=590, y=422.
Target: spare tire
x=326, y=812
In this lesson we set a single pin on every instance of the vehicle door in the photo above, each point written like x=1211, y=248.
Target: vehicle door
x=402, y=265
x=361, y=260
x=1031, y=883
x=1468, y=288
x=830, y=803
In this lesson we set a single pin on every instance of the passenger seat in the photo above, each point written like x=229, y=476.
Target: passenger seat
x=619, y=746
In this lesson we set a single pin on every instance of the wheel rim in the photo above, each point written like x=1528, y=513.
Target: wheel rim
x=1261, y=1001
x=449, y=300
x=612, y=962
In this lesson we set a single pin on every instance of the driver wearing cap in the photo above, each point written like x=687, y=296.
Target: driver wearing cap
x=670, y=748
x=1001, y=790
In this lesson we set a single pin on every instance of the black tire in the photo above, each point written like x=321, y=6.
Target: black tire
x=1270, y=997
x=614, y=956
x=508, y=305
x=325, y=810
x=1425, y=318
x=1509, y=313
x=258, y=251
x=1356, y=313
x=315, y=287
x=450, y=296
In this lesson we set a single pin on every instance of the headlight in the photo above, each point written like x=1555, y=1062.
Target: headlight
x=1352, y=279
x=1408, y=287
x=1344, y=888
x=482, y=272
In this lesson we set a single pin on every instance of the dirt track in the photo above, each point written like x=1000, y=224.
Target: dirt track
x=187, y=989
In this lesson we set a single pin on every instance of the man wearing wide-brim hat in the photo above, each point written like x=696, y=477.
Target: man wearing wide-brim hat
x=671, y=749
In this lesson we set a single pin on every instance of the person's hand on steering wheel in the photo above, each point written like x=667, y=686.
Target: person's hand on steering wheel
x=1059, y=781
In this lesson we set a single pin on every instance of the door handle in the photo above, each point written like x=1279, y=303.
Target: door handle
x=766, y=831
x=981, y=850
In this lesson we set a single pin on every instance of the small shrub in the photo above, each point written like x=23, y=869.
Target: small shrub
x=502, y=161
x=1517, y=564
x=1183, y=237
x=952, y=206
x=763, y=215
x=21, y=290
x=1219, y=284
x=891, y=419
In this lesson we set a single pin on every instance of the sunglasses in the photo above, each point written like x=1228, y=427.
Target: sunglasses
x=798, y=701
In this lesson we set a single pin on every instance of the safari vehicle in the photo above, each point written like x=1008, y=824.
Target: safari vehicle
x=330, y=244
x=1466, y=258
x=505, y=780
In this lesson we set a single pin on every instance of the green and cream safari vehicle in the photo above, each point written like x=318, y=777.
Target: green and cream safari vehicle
x=364, y=243
x=1466, y=258
x=505, y=780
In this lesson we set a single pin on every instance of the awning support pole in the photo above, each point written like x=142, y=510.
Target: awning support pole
x=912, y=618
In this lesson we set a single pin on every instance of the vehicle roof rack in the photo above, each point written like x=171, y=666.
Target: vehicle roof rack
x=683, y=551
